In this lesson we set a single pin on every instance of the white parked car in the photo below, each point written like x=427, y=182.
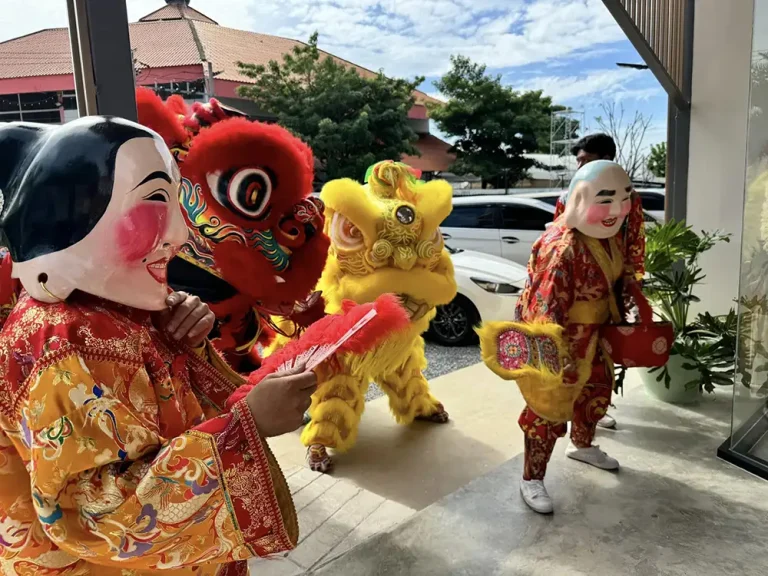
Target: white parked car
x=504, y=225
x=488, y=289
x=654, y=202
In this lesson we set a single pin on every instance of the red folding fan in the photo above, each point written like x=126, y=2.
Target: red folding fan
x=357, y=329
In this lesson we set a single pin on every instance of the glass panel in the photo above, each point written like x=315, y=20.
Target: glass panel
x=749, y=434
x=44, y=117
x=9, y=103
x=653, y=201
x=521, y=217
x=472, y=216
x=39, y=101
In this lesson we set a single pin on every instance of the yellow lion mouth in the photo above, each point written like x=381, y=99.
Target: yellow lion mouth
x=416, y=309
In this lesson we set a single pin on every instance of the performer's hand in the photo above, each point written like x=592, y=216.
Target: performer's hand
x=278, y=403
x=187, y=319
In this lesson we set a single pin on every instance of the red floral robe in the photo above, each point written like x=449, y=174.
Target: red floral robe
x=116, y=457
x=568, y=286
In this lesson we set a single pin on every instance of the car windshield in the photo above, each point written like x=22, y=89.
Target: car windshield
x=453, y=250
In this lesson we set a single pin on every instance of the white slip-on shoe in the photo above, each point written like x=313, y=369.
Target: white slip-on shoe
x=592, y=456
x=536, y=496
x=608, y=422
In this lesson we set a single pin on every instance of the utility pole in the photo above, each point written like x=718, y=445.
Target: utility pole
x=102, y=58
x=208, y=75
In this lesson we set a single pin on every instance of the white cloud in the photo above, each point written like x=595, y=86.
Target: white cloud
x=609, y=84
x=404, y=37
x=19, y=17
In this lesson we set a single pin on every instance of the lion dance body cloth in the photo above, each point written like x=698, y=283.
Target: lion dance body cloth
x=385, y=238
x=256, y=246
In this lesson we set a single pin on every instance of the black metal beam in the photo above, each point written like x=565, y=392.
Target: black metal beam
x=104, y=61
x=634, y=35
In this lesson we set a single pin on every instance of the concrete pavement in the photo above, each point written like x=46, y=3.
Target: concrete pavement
x=672, y=510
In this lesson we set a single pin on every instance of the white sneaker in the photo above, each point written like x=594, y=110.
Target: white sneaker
x=592, y=456
x=536, y=496
x=608, y=422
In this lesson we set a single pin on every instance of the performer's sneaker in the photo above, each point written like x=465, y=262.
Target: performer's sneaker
x=608, y=422
x=592, y=456
x=536, y=496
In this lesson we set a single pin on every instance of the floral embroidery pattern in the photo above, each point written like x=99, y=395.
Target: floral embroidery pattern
x=131, y=467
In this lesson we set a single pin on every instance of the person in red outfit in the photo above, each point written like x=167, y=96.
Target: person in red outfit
x=577, y=279
x=116, y=451
x=602, y=147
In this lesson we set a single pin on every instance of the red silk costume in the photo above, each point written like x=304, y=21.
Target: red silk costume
x=571, y=281
x=116, y=430
x=256, y=246
x=577, y=283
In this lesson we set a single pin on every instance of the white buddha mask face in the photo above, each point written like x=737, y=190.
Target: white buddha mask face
x=599, y=199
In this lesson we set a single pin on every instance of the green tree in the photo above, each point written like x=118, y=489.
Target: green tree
x=349, y=121
x=657, y=160
x=493, y=124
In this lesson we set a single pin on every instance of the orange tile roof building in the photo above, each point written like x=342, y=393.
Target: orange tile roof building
x=174, y=48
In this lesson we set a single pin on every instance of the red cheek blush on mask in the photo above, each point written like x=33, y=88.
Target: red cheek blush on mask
x=597, y=213
x=625, y=208
x=140, y=230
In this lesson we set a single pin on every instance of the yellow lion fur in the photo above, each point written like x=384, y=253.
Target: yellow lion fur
x=542, y=389
x=412, y=262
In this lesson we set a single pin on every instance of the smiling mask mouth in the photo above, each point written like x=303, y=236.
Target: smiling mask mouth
x=159, y=270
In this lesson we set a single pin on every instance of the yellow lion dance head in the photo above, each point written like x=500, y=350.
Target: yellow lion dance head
x=385, y=238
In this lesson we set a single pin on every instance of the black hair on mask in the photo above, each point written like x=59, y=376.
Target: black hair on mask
x=57, y=181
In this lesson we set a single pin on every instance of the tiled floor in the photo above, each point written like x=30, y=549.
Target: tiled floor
x=334, y=516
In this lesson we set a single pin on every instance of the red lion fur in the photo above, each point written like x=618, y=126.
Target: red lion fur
x=206, y=140
x=390, y=318
x=154, y=113
x=240, y=142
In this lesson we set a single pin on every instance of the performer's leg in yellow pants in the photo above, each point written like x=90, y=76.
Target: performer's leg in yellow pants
x=338, y=404
x=408, y=391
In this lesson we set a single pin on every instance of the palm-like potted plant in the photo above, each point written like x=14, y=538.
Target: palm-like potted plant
x=704, y=351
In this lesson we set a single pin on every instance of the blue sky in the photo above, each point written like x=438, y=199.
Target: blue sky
x=568, y=48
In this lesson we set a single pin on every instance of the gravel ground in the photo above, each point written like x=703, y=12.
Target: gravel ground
x=442, y=360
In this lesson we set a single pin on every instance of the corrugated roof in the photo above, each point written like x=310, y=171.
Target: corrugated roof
x=176, y=11
x=165, y=43
x=44, y=53
x=162, y=39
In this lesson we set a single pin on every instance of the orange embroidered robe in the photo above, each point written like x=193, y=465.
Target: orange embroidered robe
x=114, y=454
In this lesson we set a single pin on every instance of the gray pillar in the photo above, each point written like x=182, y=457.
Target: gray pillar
x=102, y=58
x=678, y=140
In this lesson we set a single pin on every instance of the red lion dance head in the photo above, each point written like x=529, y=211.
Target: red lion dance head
x=256, y=246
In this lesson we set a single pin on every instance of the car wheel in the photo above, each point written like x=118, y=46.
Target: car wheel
x=454, y=323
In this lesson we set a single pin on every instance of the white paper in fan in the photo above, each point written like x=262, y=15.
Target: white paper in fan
x=315, y=355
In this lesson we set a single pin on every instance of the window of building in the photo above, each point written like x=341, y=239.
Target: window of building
x=472, y=216
x=41, y=107
x=522, y=217
x=192, y=90
x=43, y=117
